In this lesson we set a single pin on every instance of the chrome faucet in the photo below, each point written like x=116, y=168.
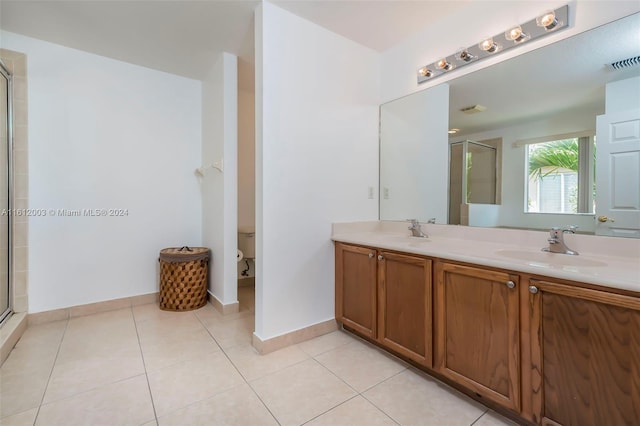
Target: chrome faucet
x=556, y=241
x=416, y=229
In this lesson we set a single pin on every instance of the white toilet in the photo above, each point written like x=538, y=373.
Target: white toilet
x=247, y=241
x=247, y=245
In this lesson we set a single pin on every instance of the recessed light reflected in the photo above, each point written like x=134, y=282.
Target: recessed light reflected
x=453, y=131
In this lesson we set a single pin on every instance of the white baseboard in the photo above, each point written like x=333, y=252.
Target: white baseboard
x=92, y=308
x=229, y=308
x=296, y=336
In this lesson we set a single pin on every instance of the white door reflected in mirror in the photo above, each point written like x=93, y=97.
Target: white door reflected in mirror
x=618, y=174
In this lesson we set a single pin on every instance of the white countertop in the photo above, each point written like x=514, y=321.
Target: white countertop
x=605, y=261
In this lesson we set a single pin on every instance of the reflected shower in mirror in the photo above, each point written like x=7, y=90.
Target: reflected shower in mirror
x=472, y=178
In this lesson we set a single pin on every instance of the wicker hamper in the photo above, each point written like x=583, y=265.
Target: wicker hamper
x=183, y=278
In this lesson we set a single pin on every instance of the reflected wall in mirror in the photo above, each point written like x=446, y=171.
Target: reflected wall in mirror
x=552, y=93
x=413, y=175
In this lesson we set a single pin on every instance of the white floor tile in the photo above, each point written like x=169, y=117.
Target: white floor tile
x=301, y=392
x=410, y=398
x=199, y=367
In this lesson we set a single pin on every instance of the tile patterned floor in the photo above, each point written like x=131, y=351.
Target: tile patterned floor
x=144, y=366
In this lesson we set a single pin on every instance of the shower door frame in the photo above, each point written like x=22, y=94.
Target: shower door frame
x=4, y=315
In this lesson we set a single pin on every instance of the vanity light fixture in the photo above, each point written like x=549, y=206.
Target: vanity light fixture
x=544, y=24
x=453, y=131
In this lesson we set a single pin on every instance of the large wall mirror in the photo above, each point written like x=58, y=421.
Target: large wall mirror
x=552, y=140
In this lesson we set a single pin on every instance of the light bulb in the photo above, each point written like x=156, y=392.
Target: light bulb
x=465, y=56
x=444, y=65
x=515, y=34
x=425, y=72
x=488, y=45
x=547, y=20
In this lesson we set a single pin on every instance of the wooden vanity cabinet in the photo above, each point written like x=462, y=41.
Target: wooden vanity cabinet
x=356, y=288
x=477, y=336
x=552, y=352
x=404, y=305
x=386, y=296
x=585, y=355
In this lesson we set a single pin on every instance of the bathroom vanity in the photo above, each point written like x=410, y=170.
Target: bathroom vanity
x=543, y=338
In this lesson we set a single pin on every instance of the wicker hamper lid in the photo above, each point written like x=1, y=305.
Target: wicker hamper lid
x=183, y=254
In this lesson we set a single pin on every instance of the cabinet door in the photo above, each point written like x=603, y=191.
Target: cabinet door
x=404, y=307
x=585, y=356
x=477, y=331
x=356, y=288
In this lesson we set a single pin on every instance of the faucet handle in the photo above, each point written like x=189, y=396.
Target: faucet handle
x=414, y=223
x=571, y=229
x=432, y=220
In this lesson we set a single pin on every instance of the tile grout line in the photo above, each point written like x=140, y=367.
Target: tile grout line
x=330, y=409
x=236, y=368
x=478, y=419
x=377, y=384
x=66, y=325
x=144, y=364
x=354, y=389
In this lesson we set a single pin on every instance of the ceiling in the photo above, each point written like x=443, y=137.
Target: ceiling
x=377, y=24
x=181, y=37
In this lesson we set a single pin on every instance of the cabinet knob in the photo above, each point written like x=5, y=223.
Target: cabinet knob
x=605, y=219
x=370, y=255
x=533, y=289
x=380, y=257
x=510, y=284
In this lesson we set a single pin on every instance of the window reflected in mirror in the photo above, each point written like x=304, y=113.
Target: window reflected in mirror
x=561, y=176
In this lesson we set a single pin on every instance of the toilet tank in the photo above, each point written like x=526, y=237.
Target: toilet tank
x=247, y=241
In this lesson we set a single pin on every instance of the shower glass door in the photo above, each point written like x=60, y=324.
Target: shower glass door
x=5, y=216
x=472, y=176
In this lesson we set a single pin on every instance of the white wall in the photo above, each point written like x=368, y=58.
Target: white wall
x=413, y=131
x=316, y=156
x=477, y=21
x=104, y=134
x=219, y=189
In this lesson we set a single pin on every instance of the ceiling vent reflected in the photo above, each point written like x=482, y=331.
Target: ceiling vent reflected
x=625, y=63
x=473, y=109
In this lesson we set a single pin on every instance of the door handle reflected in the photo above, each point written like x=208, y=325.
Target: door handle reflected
x=604, y=218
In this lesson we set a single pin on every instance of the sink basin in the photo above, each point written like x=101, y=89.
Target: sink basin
x=551, y=259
